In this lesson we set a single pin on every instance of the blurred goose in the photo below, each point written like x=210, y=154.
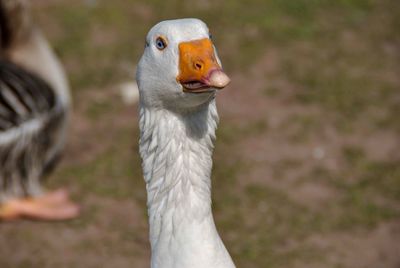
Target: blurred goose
x=178, y=76
x=34, y=105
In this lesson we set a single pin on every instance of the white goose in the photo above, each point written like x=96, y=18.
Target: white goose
x=178, y=76
x=34, y=106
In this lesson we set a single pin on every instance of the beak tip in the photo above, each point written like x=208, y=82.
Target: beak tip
x=219, y=79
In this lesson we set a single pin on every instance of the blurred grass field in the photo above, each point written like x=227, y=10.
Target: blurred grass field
x=307, y=161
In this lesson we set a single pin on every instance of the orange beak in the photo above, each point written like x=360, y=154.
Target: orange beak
x=199, y=70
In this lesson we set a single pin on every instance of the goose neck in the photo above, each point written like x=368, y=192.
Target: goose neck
x=176, y=150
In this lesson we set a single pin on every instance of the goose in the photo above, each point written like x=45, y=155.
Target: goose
x=178, y=76
x=34, y=107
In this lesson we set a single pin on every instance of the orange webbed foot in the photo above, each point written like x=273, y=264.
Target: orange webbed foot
x=52, y=206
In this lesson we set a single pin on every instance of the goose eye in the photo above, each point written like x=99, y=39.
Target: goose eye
x=161, y=43
x=210, y=36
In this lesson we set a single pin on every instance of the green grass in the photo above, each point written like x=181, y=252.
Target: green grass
x=109, y=173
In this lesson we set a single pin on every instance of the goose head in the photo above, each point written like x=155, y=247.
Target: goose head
x=180, y=68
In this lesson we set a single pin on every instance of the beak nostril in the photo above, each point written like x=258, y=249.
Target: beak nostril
x=198, y=66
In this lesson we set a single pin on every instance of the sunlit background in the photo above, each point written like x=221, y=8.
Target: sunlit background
x=307, y=161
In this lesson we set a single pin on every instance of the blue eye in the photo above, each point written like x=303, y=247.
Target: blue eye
x=161, y=43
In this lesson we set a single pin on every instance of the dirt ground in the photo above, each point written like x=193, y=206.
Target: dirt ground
x=307, y=161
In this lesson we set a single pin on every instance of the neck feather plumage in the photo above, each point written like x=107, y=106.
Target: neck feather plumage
x=176, y=149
